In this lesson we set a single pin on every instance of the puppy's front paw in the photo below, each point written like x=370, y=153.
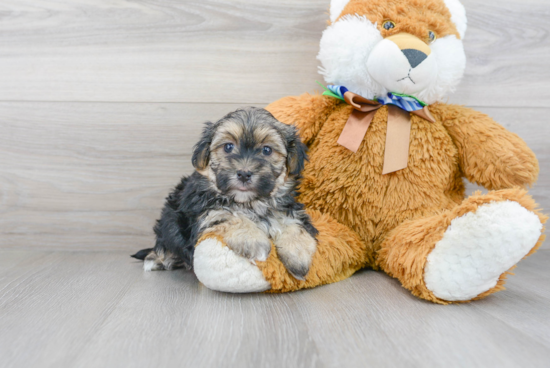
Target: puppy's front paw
x=295, y=248
x=248, y=241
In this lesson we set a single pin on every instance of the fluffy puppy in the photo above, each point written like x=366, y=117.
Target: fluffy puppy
x=248, y=167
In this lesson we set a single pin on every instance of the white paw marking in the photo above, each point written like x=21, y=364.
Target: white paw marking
x=219, y=268
x=478, y=247
x=148, y=265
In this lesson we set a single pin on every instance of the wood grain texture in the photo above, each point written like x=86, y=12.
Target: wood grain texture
x=169, y=51
x=370, y=320
x=99, y=309
x=85, y=173
x=96, y=174
x=234, y=51
x=100, y=104
x=52, y=304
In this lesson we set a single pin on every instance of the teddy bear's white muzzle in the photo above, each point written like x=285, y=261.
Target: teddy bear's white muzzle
x=407, y=71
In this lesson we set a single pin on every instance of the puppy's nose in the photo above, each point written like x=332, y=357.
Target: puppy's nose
x=244, y=176
x=415, y=57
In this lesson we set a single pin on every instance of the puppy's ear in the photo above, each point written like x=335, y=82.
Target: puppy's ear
x=201, y=151
x=297, y=152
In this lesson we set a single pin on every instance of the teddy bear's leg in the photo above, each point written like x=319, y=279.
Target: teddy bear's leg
x=464, y=254
x=219, y=268
x=340, y=252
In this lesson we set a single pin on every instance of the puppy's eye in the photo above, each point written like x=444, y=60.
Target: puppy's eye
x=228, y=147
x=267, y=150
x=388, y=24
x=432, y=36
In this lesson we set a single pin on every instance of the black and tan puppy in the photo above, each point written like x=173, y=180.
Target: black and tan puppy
x=247, y=170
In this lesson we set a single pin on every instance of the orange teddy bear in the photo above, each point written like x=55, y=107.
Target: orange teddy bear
x=384, y=180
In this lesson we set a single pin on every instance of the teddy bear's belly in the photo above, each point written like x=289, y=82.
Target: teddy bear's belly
x=351, y=188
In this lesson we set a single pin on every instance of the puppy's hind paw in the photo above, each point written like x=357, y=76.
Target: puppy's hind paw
x=152, y=263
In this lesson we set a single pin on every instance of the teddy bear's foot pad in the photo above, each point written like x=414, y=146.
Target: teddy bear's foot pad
x=219, y=268
x=478, y=247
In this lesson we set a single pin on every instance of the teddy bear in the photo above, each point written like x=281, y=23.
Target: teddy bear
x=387, y=157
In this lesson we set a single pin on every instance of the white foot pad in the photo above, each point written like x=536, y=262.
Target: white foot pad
x=478, y=247
x=219, y=268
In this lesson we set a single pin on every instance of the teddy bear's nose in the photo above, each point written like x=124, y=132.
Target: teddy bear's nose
x=414, y=49
x=415, y=57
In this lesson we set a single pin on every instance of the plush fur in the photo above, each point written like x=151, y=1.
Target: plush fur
x=221, y=269
x=478, y=247
x=355, y=50
x=243, y=190
x=458, y=13
x=415, y=224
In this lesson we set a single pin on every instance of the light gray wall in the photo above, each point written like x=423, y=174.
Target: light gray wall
x=101, y=101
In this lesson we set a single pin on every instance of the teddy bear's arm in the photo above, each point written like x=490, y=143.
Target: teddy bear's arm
x=307, y=112
x=489, y=154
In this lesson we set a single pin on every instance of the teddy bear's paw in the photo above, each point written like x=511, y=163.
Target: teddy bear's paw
x=219, y=268
x=478, y=247
x=295, y=250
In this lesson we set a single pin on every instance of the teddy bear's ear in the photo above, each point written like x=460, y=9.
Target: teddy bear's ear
x=336, y=7
x=458, y=16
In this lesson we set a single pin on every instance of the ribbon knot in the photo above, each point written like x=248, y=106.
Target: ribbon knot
x=396, y=152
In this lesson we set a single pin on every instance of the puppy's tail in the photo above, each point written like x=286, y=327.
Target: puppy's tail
x=142, y=254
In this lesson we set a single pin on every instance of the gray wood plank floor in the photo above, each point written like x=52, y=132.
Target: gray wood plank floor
x=99, y=309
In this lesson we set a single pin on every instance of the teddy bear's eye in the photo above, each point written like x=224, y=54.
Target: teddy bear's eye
x=432, y=36
x=388, y=24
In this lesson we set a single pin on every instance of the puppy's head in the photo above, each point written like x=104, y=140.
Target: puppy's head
x=249, y=154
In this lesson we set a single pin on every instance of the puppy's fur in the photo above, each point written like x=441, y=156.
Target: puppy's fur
x=248, y=167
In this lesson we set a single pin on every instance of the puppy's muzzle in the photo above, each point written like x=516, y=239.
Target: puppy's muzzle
x=244, y=176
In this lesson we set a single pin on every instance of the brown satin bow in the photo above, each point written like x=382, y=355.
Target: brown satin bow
x=396, y=153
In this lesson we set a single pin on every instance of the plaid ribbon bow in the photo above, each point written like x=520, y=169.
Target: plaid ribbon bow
x=404, y=102
x=400, y=106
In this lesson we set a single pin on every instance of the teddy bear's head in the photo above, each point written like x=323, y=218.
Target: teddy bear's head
x=412, y=47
